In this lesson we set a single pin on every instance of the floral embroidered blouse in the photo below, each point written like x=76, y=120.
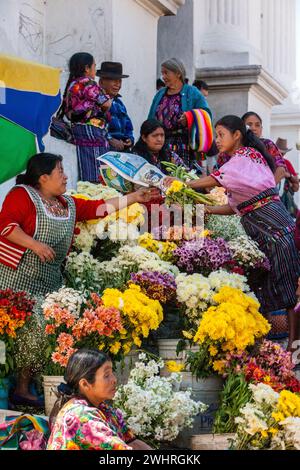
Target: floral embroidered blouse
x=169, y=111
x=84, y=100
x=244, y=176
x=81, y=426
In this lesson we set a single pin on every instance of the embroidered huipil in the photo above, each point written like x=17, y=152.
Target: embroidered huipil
x=244, y=176
x=81, y=426
x=84, y=100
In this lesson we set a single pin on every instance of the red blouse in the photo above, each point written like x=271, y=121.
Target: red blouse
x=19, y=210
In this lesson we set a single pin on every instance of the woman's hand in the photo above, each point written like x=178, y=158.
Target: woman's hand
x=182, y=120
x=168, y=180
x=146, y=194
x=139, y=445
x=43, y=251
x=117, y=144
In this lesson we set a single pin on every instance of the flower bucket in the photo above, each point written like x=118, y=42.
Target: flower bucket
x=123, y=368
x=211, y=441
x=207, y=391
x=167, y=351
x=51, y=383
x=4, y=388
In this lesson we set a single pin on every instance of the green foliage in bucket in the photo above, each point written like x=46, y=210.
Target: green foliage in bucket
x=236, y=393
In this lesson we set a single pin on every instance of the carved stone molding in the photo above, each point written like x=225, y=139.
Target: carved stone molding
x=247, y=77
x=161, y=7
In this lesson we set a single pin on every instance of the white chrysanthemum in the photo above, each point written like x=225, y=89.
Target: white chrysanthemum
x=264, y=393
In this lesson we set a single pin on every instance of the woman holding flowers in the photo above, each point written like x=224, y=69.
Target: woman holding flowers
x=81, y=419
x=37, y=224
x=249, y=180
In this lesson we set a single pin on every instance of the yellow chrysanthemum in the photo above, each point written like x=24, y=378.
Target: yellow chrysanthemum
x=175, y=187
x=174, y=366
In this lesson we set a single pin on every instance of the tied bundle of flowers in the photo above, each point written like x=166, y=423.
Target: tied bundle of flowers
x=85, y=232
x=179, y=193
x=227, y=227
x=83, y=272
x=122, y=225
x=195, y=293
x=157, y=286
x=136, y=259
x=151, y=407
x=272, y=365
x=65, y=298
x=179, y=233
x=246, y=253
x=269, y=421
x=203, y=256
x=163, y=249
x=139, y=314
x=67, y=332
x=15, y=312
x=233, y=325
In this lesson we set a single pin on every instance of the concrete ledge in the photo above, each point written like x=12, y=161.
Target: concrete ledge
x=246, y=77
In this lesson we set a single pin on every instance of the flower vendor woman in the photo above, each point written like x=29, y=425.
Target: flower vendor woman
x=249, y=180
x=36, y=230
x=37, y=225
x=170, y=104
x=85, y=104
x=80, y=419
x=254, y=121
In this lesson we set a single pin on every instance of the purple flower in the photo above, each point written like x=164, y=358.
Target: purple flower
x=203, y=254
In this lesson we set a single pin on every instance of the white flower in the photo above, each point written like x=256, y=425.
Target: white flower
x=151, y=406
x=66, y=298
x=264, y=393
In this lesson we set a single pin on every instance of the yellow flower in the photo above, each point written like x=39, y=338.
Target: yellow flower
x=213, y=350
x=72, y=446
x=288, y=405
x=175, y=187
x=174, y=366
x=115, y=347
x=187, y=335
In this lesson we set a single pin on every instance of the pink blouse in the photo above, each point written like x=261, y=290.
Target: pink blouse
x=244, y=176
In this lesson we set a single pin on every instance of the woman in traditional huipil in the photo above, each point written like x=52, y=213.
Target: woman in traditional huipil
x=170, y=104
x=37, y=224
x=248, y=177
x=81, y=418
x=85, y=104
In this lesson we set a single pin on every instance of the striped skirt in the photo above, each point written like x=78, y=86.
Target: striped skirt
x=273, y=228
x=91, y=142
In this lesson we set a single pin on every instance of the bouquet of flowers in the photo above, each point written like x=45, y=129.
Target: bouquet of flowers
x=227, y=227
x=151, y=407
x=196, y=293
x=163, y=249
x=246, y=253
x=203, y=256
x=139, y=314
x=68, y=331
x=179, y=193
x=136, y=259
x=122, y=225
x=179, y=233
x=15, y=312
x=269, y=421
x=233, y=325
x=157, y=286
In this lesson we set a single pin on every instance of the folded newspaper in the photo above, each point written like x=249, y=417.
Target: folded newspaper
x=122, y=170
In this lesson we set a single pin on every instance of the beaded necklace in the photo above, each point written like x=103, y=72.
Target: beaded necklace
x=54, y=207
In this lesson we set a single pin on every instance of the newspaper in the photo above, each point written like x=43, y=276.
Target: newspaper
x=118, y=168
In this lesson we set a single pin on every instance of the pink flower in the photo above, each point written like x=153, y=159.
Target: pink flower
x=35, y=441
x=95, y=432
x=73, y=424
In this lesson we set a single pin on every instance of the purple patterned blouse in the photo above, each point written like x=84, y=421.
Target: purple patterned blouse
x=84, y=100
